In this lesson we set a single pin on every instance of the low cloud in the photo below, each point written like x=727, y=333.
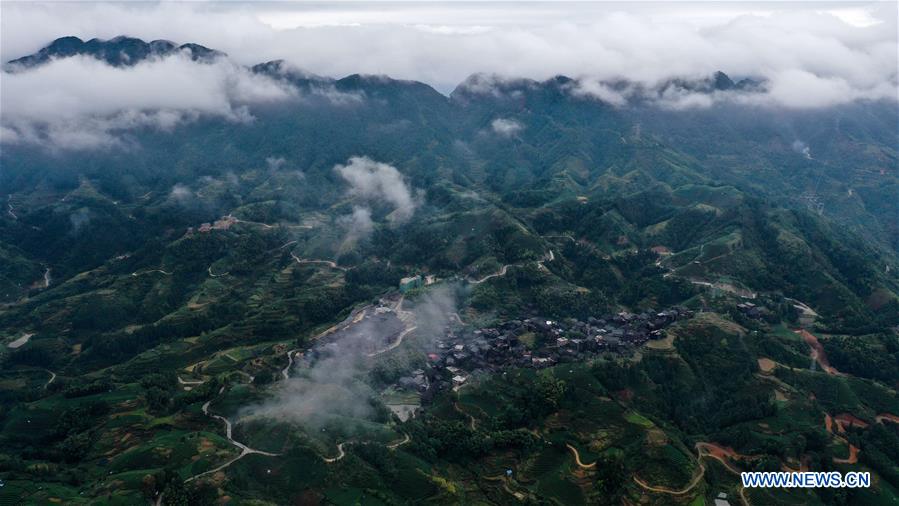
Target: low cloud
x=358, y=225
x=506, y=127
x=275, y=162
x=79, y=220
x=332, y=381
x=802, y=148
x=81, y=102
x=181, y=194
x=379, y=182
x=593, y=88
x=809, y=54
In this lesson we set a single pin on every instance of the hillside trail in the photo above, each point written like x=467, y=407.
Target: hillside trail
x=577, y=458
x=829, y=424
x=711, y=450
x=341, y=453
x=52, y=378
x=817, y=352
x=244, y=449
x=472, y=420
x=408, y=319
x=329, y=263
x=548, y=257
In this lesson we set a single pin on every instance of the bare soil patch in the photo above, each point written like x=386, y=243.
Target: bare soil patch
x=766, y=365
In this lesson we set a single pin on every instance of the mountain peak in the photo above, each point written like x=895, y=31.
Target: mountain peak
x=120, y=51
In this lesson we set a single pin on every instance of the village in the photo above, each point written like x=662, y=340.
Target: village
x=464, y=352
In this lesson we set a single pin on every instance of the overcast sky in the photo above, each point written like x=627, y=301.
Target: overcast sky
x=812, y=54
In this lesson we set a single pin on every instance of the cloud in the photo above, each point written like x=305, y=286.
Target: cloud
x=79, y=219
x=332, y=381
x=593, y=88
x=81, y=102
x=376, y=181
x=181, y=194
x=802, y=148
x=358, y=225
x=813, y=54
x=506, y=127
x=275, y=162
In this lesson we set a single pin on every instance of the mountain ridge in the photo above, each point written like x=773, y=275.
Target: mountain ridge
x=124, y=51
x=120, y=51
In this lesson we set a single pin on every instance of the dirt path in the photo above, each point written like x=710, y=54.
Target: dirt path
x=841, y=421
x=501, y=272
x=135, y=274
x=853, y=456
x=665, y=490
x=182, y=381
x=725, y=287
x=399, y=341
x=264, y=225
x=244, y=449
x=329, y=263
x=803, y=307
x=719, y=453
x=397, y=444
x=209, y=270
x=817, y=353
x=548, y=257
x=285, y=373
x=703, y=449
x=10, y=209
x=52, y=378
x=886, y=417
x=577, y=458
x=473, y=422
x=340, y=454
x=47, y=277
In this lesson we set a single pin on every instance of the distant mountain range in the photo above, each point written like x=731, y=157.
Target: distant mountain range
x=121, y=51
x=124, y=51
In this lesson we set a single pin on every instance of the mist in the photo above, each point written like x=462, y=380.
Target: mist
x=379, y=182
x=809, y=51
x=335, y=383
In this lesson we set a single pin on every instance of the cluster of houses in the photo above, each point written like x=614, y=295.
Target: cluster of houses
x=533, y=342
x=221, y=224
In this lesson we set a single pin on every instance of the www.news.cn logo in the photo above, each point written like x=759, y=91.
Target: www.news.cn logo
x=806, y=479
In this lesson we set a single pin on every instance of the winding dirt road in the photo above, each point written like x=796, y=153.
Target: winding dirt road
x=329, y=263
x=548, y=257
x=817, y=352
x=703, y=449
x=399, y=341
x=473, y=422
x=340, y=454
x=397, y=444
x=135, y=274
x=577, y=458
x=209, y=270
x=52, y=378
x=244, y=449
x=501, y=272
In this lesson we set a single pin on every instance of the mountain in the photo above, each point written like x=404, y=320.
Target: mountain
x=121, y=51
x=580, y=300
